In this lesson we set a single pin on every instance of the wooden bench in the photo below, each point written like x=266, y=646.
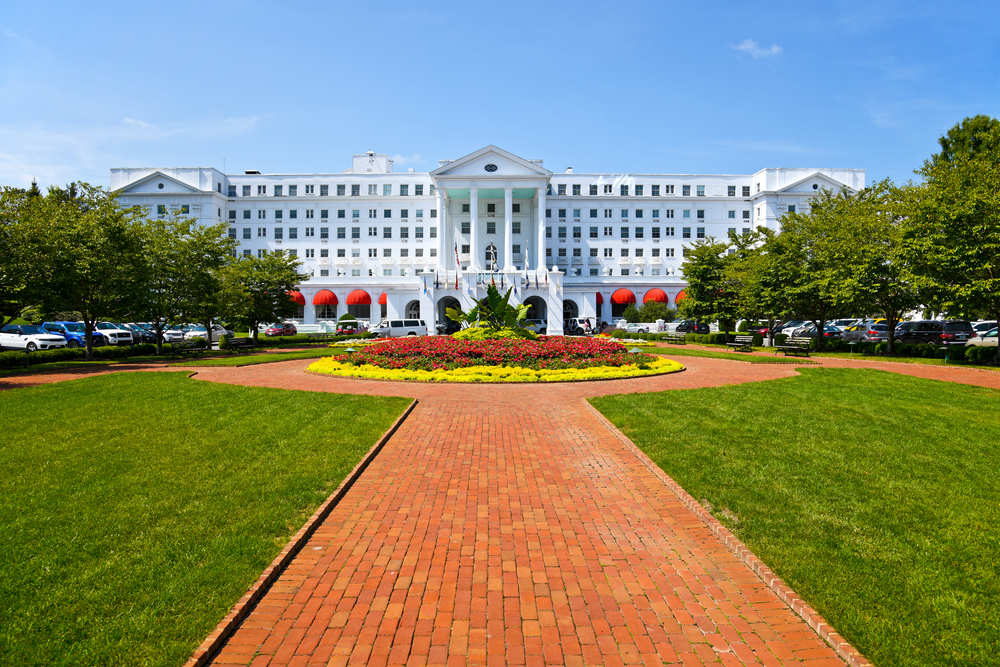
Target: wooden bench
x=742, y=344
x=320, y=337
x=241, y=345
x=186, y=347
x=797, y=346
x=675, y=338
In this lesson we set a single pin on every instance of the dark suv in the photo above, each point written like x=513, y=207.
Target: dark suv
x=937, y=332
x=692, y=326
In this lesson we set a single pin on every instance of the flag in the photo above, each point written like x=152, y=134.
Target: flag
x=458, y=265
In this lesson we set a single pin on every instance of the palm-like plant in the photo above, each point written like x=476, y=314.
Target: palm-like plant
x=494, y=311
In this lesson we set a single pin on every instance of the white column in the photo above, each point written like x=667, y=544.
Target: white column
x=474, y=223
x=442, y=247
x=508, y=228
x=541, y=228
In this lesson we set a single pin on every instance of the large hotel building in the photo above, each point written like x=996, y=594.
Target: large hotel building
x=408, y=245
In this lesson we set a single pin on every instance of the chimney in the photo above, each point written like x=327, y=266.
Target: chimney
x=569, y=170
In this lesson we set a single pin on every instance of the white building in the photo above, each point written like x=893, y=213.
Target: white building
x=572, y=245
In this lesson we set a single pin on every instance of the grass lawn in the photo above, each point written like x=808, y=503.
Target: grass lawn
x=678, y=351
x=873, y=495
x=137, y=508
x=265, y=358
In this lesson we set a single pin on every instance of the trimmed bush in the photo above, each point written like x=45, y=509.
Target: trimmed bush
x=758, y=340
x=617, y=333
x=198, y=341
x=224, y=342
x=779, y=339
x=979, y=354
x=744, y=326
x=13, y=359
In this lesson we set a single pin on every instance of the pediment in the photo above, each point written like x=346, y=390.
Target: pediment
x=475, y=165
x=151, y=185
x=805, y=185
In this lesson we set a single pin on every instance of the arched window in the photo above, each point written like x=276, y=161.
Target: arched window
x=413, y=310
x=491, y=257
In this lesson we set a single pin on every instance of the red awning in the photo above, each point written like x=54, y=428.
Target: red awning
x=359, y=297
x=381, y=299
x=298, y=298
x=622, y=296
x=680, y=296
x=657, y=295
x=324, y=297
x=600, y=298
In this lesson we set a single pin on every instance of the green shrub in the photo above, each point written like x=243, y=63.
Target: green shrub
x=954, y=352
x=617, y=333
x=690, y=337
x=224, y=342
x=758, y=340
x=347, y=317
x=779, y=339
x=198, y=341
x=977, y=354
x=13, y=359
x=744, y=326
x=489, y=333
x=58, y=354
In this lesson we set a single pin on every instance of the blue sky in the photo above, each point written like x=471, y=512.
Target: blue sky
x=641, y=87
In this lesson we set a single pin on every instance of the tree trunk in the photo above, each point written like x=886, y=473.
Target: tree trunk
x=891, y=321
x=208, y=334
x=88, y=336
x=158, y=328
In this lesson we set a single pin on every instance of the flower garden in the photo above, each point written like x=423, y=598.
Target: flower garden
x=445, y=359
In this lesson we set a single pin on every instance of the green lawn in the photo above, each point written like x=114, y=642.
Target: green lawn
x=680, y=351
x=137, y=508
x=875, y=496
x=265, y=358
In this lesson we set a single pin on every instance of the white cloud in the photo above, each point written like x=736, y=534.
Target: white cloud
x=755, y=50
x=407, y=159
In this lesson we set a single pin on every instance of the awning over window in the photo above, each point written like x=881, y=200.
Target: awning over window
x=680, y=296
x=324, y=297
x=622, y=296
x=657, y=295
x=381, y=299
x=600, y=298
x=359, y=297
x=298, y=298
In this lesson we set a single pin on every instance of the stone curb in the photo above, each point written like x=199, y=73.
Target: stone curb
x=208, y=648
x=819, y=625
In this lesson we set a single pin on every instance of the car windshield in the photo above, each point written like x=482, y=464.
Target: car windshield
x=196, y=329
x=75, y=328
x=33, y=329
x=957, y=326
x=105, y=326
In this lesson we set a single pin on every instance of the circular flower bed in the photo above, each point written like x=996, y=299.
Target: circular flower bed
x=443, y=359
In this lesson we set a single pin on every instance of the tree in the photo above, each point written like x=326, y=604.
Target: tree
x=967, y=139
x=185, y=260
x=90, y=253
x=655, y=310
x=711, y=295
x=954, y=232
x=255, y=289
x=493, y=311
x=19, y=267
x=745, y=271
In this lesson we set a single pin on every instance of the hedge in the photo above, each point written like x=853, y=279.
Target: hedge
x=19, y=358
x=303, y=339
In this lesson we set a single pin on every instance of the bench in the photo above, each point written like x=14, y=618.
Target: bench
x=320, y=337
x=186, y=347
x=796, y=346
x=742, y=344
x=675, y=338
x=240, y=345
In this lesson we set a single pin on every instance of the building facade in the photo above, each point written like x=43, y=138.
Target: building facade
x=409, y=245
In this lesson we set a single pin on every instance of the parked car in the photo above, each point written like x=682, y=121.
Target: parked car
x=395, y=328
x=174, y=334
x=988, y=339
x=809, y=331
x=540, y=327
x=790, y=326
x=938, y=332
x=139, y=334
x=29, y=337
x=578, y=326
x=286, y=329
x=902, y=328
x=983, y=326
x=844, y=323
x=692, y=326
x=218, y=331
x=866, y=333
x=351, y=327
x=114, y=334
x=74, y=333
x=634, y=327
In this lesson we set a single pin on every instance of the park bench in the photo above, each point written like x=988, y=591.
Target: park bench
x=320, y=337
x=675, y=338
x=241, y=345
x=741, y=344
x=794, y=345
x=186, y=347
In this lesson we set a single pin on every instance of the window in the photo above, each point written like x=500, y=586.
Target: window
x=638, y=232
x=687, y=213
x=515, y=208
x=465, y=250
x=246, y=190
x=294, y=213
x=624, y=252
x=246, y=252
x=434, y=213
x=387, y=213
x=548, y=232
x=701, y=190
x=701, y=214
x=324, y=232
x=372, y=252
x=593, y=189
x=404, y=252
x=578, y=232
x=562, y=188
x=341, y=232
x=686, y=190
x=232, y=215
x=593, y=252
x=292, y=252
x=434, y=252
x=731, y=191
x=701, y=232
x=404, y=190
x=278, y=214
x=466, y=227
x=355, y=273
x=638, y=212
x=261, y=189
x=638, y=191
x=515, y=248
x=562, y=233
x=232, y=232
x=324, y=272
x=185, y=209
x=433, y=235
x=356, y=214
x=624, y=191
x=418, y=252
x=418, y=190
x=608, y=252
x=278, y=234
x=746, y=215
x=232, y=191
x=655, y=233
x=758, y=187
x=420, y=213
x=262, y=214
x=608, y=189
x=324, y=252
x=387, y=232
x=387, y=252
x=372, y=189
x=404, y=232
x=791, y=208
x=418, y=232
x=355, y=190
x=548, y=213
x=638, y=252
x=576, y=213
x=732, y=215
x=593, y=272
x=548, y=252
x=465, y=208
x=262, y=232
x=656, y=213
x=654, y=190
x=668, y=252
x=386, y=189
x=624, y=232
x=624, y=272
x=372, y=213
x=246, y=215
x=686, y=233
x=656, y=252
x=310, y=231
x=355, y=232
x=607, y=213
x=562, y=253
x=293, y=232
x=593, y=213
x=746, y=230
x=246, y=232
x=387, y=272
x=310, y=190
x=576, y=190
x=746, y=190
x=593, y=232
x=562, y=213
x=491, y=227
x=515, y=227
x=261, y=252
x=404, y=213
x=609, y=231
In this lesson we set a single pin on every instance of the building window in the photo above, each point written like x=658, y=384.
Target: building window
x=372, y=213
x=593, y=213
x=593, y=272
x=656, y=252
x=638, y=191
x=701, y=214
x=232, y=215
x=324, y=232
x=341, y=232
x=418, y=190
x=593, y=190
x=372, y=189
x=355, y=232
x=465, y=208
x=562, y=213
x=278, y=214
x=746, y=230
x=386, y=189
x=731, y=191
x=434, y=213
x=262, y=215
x=387, y=213
x=465, y=250
x=466, y=227
x=278, y=233
x=576, y=190
x=387, y=252
x=654, y=190
x=418, y=252
x=491, y=227
x=686, y=233
x=355, y=273
x=701, y=232
x=686, y=190
x=746, y=215
x=638, y=252
x=746, y=190
x=418, y=232
x=731, y=231
x=701, y=190
x=262, y=232
x=246, y=215
x=656, y=233
x=668, y=189
x=624, y=232
x=295, y=214
x=638, y=232
x=732, y=215
x=593, y=252
x=404, y=190
x=515, y=248
x=607, y=212
x=246, y=233
x=668, y=252
x=232, y=232
x=310, y=231
x=562, y=253
x=791, y=208
x=548, y=232
x=562, y=189
x=577, y=232
x=404, y=232
x=548, y=252
x=324, y=252
x=515, y=208
x=624, y=191
x=608, y=252
x=372, y=252
x=608, y=189
x=433, y=235
x=593, y=232
x=278, y=190
x=261, y=189
x=638, y=212
x=624, y=212
x=355, y=190
x=293, y=232
x=515, y=227
x=668, y=231
x=387, y=232
x=434, y=251
x=609, y=231
x=686, y=213
x=404, y=213
x=562, y=233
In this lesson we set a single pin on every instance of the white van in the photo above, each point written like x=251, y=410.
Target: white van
x=395, y=328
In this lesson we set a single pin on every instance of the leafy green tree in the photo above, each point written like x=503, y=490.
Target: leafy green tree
x=632, y=314
x=954, y=232
x=90, y=253
x=19, y=254
x=746, y=270
x=655, y=310
x=711, y=294
x=255, y=289
x=973, y=136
